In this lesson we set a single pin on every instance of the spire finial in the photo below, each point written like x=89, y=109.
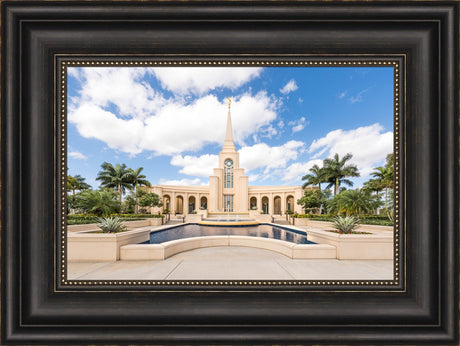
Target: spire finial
x=229, y=101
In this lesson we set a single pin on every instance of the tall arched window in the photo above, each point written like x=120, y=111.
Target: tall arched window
x=228, y=174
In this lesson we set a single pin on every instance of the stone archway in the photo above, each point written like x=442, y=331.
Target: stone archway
x=191, y=204
x=204, y=202
x=277, y=205
x=179, y=205
x=290, y=203
x=166, y=202
x=265, y=205
x=253, y=203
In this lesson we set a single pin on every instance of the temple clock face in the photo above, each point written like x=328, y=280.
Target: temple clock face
x=228, y=163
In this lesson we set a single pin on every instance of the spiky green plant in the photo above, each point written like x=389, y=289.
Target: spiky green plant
x=345, y=224
x=110, y=224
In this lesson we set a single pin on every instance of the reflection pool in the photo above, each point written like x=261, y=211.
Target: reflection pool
x=261, y=231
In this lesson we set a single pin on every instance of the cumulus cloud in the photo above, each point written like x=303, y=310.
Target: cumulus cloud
x=118, y=107
x=289, y=87
x=297, y=170
x=122, y=88
x=368, y=144
x=181, y=182
x=342, y=94
x=298, y=125
x=77, y=155
x=199, y=80
x=201, y=166
x=262, y=155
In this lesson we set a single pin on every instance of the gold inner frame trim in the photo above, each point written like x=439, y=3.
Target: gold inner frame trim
x=64, y=61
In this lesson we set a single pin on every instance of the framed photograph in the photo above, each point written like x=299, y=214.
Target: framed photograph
x=230, y=172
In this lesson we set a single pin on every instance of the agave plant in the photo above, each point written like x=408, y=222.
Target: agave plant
x=345, y=224
x=110, y=224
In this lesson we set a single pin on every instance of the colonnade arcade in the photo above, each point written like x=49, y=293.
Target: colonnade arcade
x=266, y=203
x=272, y=203
x=180, y=203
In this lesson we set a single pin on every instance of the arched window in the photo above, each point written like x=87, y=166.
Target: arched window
x=204, y=203
x=228, y=174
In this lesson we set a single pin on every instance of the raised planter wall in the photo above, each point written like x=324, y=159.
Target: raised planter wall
x=328, y=225
x=301, y=222
x=263, y=217
x=157, y=221
x=193, y=218
x=356, y=246
x=86, y=247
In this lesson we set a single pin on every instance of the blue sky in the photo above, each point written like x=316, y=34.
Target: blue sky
x=171, y=120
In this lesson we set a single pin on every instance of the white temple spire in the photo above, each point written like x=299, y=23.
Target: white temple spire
x=228, y=142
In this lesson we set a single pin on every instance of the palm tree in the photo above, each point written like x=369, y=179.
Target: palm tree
x=316, y=177
x=374, y=185
x=76, y=183
x=137, y=180
x=384, y=175
x=337, y=170
x=118, y=177
x=99, y=202
x=356, y=201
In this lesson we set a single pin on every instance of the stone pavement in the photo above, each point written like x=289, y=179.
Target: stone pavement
x=232, y=263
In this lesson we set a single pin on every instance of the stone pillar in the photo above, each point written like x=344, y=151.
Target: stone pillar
x=185, y=204
x=173, y=202
x=298, y=193
x=213, y=193
x=283, y=203
x=259, y=202
x=244, y=196
x=271, y=204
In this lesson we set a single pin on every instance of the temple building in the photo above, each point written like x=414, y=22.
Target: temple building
x=228, y=189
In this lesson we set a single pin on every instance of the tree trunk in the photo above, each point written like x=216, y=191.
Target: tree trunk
x=336, y=190
x=119, y=191
x=136, y=206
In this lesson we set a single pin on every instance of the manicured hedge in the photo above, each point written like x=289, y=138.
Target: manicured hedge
x=380, y=220
x=80, y=219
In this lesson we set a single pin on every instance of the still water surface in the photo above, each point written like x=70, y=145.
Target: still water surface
x=263, y=231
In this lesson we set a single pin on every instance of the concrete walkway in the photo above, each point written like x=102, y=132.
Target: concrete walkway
x=232, y=263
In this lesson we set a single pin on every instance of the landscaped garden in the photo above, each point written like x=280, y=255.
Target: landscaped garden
x=87, y=205
x=372, y=204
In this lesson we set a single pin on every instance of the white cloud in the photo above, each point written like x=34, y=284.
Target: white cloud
x=342, y=94
x=289, y=87
x=298, y=125
x=77, y=155
x=358, y=97
x=201, y=166
x=263, y=156
x=199, y=80
x=297, y=170
x=181, y=182
x=281, y=124
x=119, y=87
x=253, y=177
x=369, y=146
x=117, y=107
x=94, y=122
x=74, y=72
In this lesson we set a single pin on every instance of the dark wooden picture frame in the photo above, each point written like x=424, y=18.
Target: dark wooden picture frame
x=421, y=308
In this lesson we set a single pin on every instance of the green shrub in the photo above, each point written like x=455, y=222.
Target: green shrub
x=80, y=219
x=111, y=224
x=345, y=224
x=302, y=216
